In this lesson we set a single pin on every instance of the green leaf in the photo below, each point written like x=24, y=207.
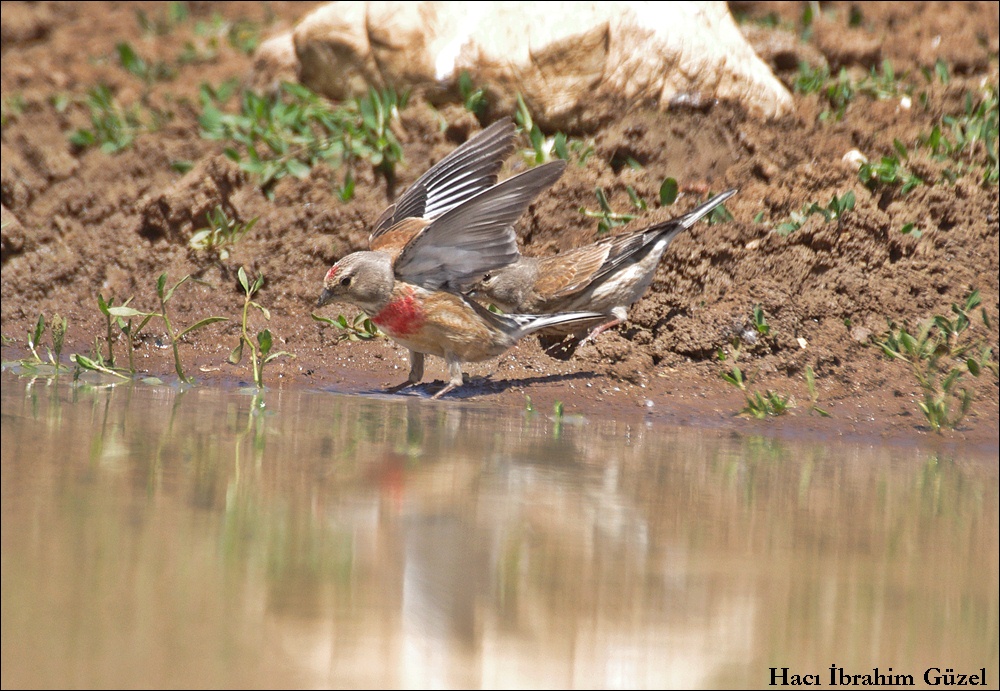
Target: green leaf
x=298, y=169
x=280, y=353
x=36, y=337
x=236, y=355
x=127, y=312
x=265, y=341
x=170, y=293
x=161, y=282
x=973, y=367
x=204, y=322
x=668, y=192
x=241, y=274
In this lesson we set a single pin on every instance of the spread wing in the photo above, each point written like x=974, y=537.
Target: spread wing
x=462, y=244
x=456, y=178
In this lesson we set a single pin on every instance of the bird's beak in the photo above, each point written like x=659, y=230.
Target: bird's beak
x=324, y=297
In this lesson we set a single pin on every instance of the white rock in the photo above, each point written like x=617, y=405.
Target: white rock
x=854, y=158
x=559, y=55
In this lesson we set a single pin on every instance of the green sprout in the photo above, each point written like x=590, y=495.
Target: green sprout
x=134, y=64
x=287, y=133
x=607, y=217
x=813, y=394
x=222, y=233
x=260, y=354
x=760, y=321
x=361, y=328
x=53, y=354
x=113, y=127
x=668, y=191
x=164, y=294
x=940, y=355
x=889, y=172
x=473, y=98
x=835, y=210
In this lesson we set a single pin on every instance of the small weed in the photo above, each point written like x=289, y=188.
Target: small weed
x=361, y=328
x=769, y=403
x=285, y=134
x=668, y=191
x=544, y=148
x=11, y=108
x=135, y=65
x=911, y=229
x=940, y=355
x=222, y=233
x=813, y=394
x=889, y=172
x=113, y=127
x=165, y=22
x=51, y=363
x=760, y=321
x=607, y=217
x=833, y=211
x=473, y=98
x=841, y=90
x=260, y=354
x=969, y=139
x=164, y=294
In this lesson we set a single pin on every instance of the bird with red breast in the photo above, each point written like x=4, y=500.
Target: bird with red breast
x=412, y=287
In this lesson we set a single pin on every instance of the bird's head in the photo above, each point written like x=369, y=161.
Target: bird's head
x=364, y=279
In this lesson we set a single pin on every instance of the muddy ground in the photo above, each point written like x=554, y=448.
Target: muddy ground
x=78, y=222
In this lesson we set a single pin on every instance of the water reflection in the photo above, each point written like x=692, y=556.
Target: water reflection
x=154, y=537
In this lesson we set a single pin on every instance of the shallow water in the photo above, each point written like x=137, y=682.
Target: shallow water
x=153, y=537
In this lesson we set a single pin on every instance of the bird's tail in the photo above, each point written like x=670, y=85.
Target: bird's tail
x=525, y=324
x=696, y=214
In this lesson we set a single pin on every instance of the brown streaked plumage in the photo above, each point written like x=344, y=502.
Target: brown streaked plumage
x=607, y=276
x=410, y=290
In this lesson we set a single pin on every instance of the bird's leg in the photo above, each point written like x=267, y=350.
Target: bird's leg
x=600, y=329
x=416, y=373
x=455, y=370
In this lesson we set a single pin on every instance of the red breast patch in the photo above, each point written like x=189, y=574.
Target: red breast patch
x=402, y=317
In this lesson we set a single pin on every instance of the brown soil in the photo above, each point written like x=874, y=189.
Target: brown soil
x=78, y=223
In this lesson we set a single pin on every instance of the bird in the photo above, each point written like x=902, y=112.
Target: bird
x=413, y=292
x=607, y=276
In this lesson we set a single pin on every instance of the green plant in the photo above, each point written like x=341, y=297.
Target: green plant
x=769, y=403
x=164, y=294
x=222, y=233
x=813, y=394
x=286, y=133
x=940, y=354
x=888, y=172
x=544, y=148
x=969, y=139
x=11, y=108
x=608, y=217
x=57, y=334
x=361, y=328
x=260, y=353
x=165, y=22
x=841, y=90
x=668, y=191
x=113, y=127
x=833, y=211
x=473, y=98
x=760, y=321
x=135, y=65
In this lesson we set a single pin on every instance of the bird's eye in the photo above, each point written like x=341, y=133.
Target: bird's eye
x=345, y=281
x=487, y=278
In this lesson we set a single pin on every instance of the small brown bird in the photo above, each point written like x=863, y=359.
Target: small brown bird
x=411, y=292
x=607, y=276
